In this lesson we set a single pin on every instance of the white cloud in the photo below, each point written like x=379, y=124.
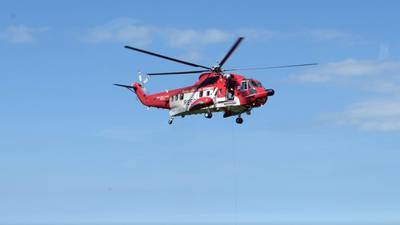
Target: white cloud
x=186, y=37
x=349, y=69
x=372, y=115
x=258, y=33
x=380, y=114
x=121, y=30
x=190, y=40
x=20, y=33
x=130, y=30
x=330, y=34
x=191, y=55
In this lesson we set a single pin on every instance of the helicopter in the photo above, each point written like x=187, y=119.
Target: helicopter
x=216, y=90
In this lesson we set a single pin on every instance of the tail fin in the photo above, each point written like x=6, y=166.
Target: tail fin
x=141, y=95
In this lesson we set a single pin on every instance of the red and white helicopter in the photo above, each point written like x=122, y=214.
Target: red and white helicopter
x=215, y=91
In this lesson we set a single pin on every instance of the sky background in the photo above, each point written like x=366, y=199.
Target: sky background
x=76, y=150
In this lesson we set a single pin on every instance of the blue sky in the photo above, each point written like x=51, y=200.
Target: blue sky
x=74, y=149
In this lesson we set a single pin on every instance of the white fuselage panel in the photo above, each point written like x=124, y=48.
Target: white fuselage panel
x=180, y=103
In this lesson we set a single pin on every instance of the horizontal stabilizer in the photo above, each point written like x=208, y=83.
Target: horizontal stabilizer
x=125, y=86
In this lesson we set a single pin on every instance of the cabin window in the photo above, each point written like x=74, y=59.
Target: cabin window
x=181, y=96
x=244, y=85
x=201, y=94
x=208, y=93
x=176, y=97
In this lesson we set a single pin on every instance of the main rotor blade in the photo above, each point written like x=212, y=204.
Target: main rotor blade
x=233, y=48
x=167, y=57
x=178, y=72
x=273, y=67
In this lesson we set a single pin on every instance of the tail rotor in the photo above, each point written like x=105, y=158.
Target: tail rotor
x=143, y=79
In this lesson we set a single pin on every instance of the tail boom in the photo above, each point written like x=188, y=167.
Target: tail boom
x=158, y=100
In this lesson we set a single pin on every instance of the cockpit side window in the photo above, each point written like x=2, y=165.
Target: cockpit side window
x=255, y=83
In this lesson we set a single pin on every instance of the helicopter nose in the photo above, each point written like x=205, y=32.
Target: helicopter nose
x=270, y=92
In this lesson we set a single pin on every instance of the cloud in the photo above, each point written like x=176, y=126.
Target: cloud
x=371, y=115
x=21, y=33
x=330, y=34
x=349, y=69
x=191, y=55
x=192, y=41
x=121, y=30
x=375, y=76
x=132, y=31
x=258, y=33
x=186, y=37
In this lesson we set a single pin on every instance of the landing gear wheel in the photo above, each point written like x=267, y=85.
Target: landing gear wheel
x=239, y=120
x=208, y=115
x=170, y=120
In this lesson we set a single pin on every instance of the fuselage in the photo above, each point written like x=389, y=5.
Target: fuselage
x=232, y=94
